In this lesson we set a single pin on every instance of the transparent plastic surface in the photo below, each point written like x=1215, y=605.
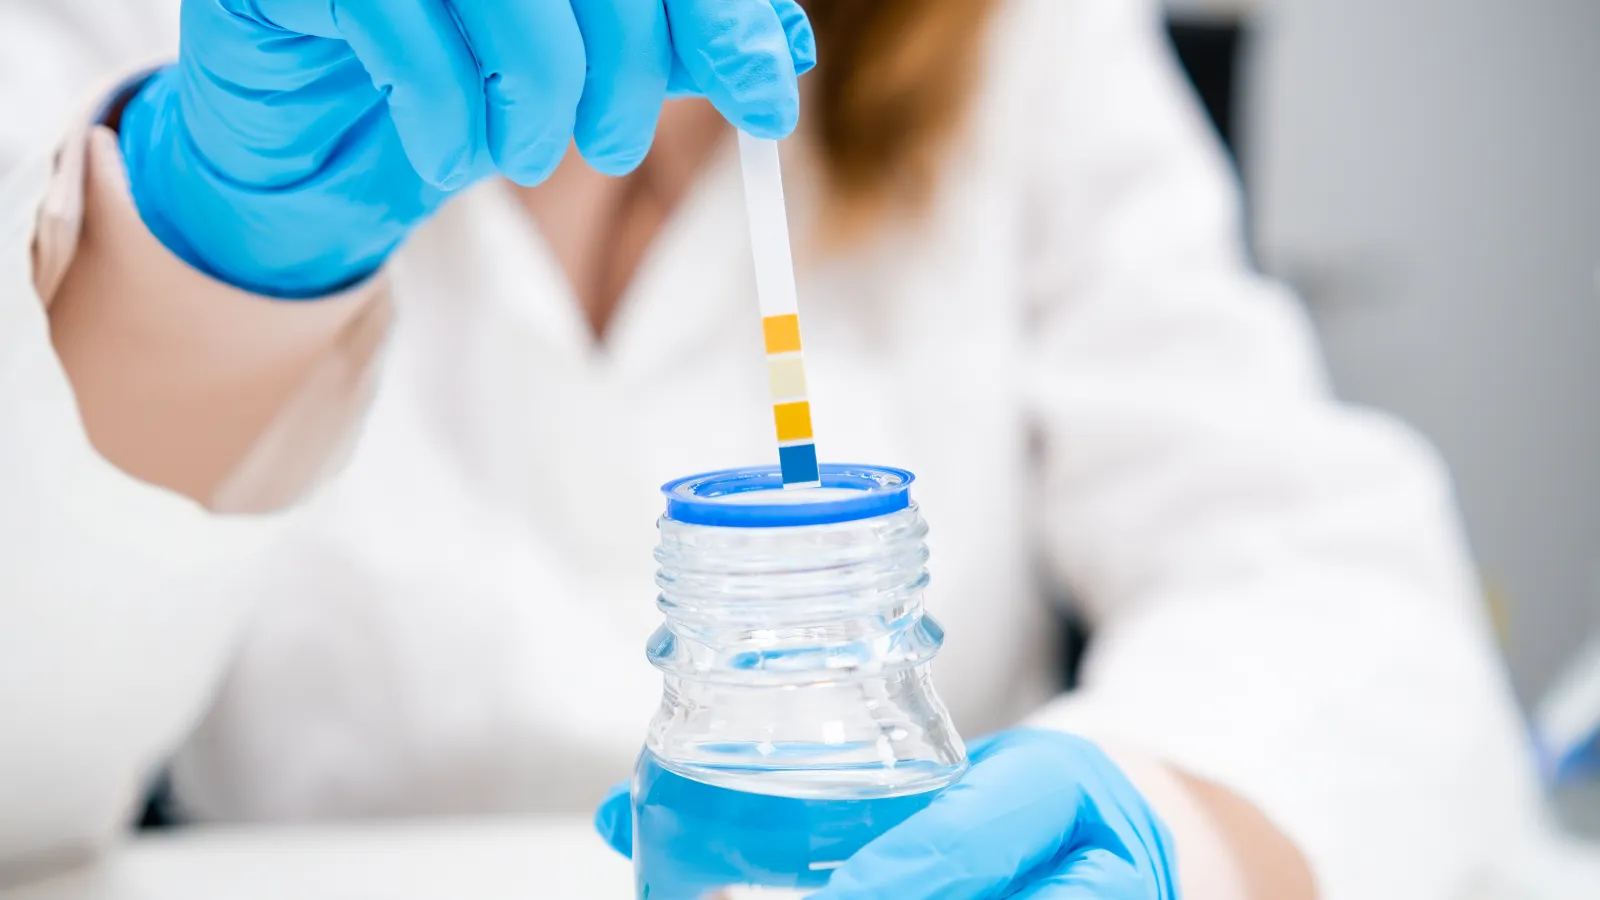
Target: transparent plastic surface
x=798, y=720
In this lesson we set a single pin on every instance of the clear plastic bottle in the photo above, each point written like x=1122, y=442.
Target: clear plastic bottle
x=797, y=718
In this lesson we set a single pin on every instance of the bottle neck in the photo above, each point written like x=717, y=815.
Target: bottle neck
x=789, y=606
x=796, y=659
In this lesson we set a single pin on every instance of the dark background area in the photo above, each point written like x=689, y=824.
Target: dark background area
x=1210, y=53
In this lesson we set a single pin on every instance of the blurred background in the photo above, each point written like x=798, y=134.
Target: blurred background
x=1426, y=173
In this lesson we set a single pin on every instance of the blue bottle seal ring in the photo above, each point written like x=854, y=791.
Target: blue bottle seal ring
x=755, y=498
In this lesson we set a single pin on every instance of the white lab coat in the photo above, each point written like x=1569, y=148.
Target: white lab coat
x=1070, y=350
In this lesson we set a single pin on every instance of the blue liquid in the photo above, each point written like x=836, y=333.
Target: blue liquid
x=691, y=838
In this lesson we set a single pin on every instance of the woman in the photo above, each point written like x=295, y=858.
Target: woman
x=321, y=563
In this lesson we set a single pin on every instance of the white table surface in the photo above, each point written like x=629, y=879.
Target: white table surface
x=470, y=860
x=509, y=860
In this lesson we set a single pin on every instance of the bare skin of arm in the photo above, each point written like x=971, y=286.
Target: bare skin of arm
x=1271, y=866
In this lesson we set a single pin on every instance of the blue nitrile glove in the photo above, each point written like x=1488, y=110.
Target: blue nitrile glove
x=297, y=142
x=1041, y=815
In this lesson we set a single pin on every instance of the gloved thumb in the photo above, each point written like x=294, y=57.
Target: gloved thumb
x=614, y=819
x=745, y=57
x=802, y=49
x=1096, y=874
x=261, y=109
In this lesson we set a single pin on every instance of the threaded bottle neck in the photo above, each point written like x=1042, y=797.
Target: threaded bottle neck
x=795, y=659
x=765, y=605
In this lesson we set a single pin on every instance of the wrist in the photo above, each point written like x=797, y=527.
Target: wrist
x=1269, y=862
x=1227, y=849
x=1209, y=866
x=298, y=237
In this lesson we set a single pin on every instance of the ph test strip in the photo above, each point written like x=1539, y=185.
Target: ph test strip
x=780, y=313
x=791, y=409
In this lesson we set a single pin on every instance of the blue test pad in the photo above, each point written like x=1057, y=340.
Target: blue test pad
x=755, y=497
x=798, y=463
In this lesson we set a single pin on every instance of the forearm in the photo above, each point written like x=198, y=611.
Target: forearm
x=1267, y=863
x=1395, y=773
x=231, y=399
x=1226, y=848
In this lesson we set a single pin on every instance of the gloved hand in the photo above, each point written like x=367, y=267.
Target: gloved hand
x=297, y=142
x=1041, y=815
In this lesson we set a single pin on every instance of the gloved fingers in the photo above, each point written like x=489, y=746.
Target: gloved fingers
x=297, y=16
x=802, y=48
x=738, y=54
x=630, y=57
x=1094, y=874
x=613, y=818
x=1007, y=817
x=531, y=57
x=797, y=28
x=680, y=83
x=417, y=56
x=231, y=61
x=979, y=749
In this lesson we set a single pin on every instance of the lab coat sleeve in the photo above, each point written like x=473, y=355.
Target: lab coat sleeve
x=118, y=612
x=114, y=618
x=54, y=53
x=1281, y=596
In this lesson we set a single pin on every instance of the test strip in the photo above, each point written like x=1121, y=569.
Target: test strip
x=780, y=316
x=791, y=407
x=794, y=422
x=782, y=333
x=786, y=376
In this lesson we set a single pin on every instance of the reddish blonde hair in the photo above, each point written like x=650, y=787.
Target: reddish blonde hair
x=891, y=88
